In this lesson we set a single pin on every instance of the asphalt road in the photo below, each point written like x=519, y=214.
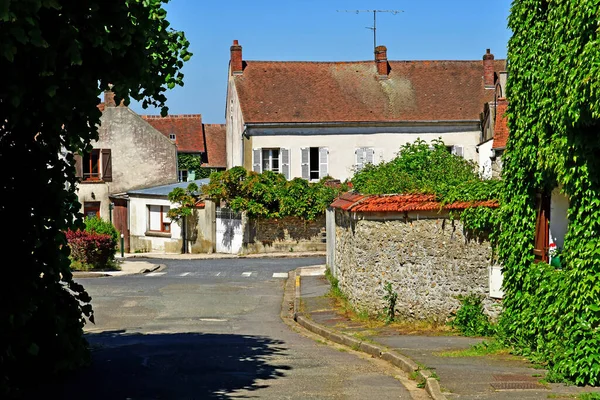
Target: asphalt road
x=213, y=329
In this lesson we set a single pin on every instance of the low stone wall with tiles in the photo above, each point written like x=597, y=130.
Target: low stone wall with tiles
x=427, y=258
x=287, y=234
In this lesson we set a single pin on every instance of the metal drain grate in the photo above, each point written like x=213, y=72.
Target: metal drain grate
x=515, y=378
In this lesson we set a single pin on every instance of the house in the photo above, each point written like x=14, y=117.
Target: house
x=193, y=138
x=551, y=208
x=494, y=132
x=152, y=231
x=317, y=119
x=129, y=154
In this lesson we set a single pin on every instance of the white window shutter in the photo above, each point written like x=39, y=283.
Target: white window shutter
x=457, y=150
x=323, y=159
x=285, y=162
x=369, y=156
x=257, y=160
x=305, y=160
x=360, y=158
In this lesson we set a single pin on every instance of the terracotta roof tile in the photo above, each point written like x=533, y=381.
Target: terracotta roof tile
x=187, y=129
x=500, y=125
x=350, y=91
x=346, y=200
x=401, y=203
x=215, y=145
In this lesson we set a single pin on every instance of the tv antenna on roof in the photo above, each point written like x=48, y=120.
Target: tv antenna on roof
x=374, y=27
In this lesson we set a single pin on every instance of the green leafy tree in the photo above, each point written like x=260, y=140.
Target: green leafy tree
x=56, y=58
x=420, y=167
x=270, y=195
x=554, y=121
x=186, y=198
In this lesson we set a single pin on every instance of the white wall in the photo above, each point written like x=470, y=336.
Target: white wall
x=343, y=142
x=484, y=160
x=138, y=222
x=234, y=127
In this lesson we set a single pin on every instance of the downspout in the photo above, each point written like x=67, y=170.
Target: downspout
x=244, y=135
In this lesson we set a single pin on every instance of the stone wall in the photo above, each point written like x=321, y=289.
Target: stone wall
x=427, y=258
x=287, y=234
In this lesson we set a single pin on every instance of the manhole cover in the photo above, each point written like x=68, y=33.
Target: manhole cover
x=517, y=386
x=515, y=378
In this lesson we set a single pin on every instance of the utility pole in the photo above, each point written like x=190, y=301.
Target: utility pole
x=374, y=27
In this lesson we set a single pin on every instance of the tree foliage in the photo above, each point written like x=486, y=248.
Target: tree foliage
x=420, y=167
x=57, y=57
x=270, y=195
x=554, y=122
x=186, y=198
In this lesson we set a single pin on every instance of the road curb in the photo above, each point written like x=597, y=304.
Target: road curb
x=432, y=385
x=154, y=268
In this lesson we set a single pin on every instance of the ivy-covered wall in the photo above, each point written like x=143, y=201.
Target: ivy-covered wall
x=553, y=89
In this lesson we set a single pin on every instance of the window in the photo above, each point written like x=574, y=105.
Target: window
x=91, y=166
x=172, y=136
x=364, y=155
x=270, y=160
x=276, y=160
x=158, y=220
x=314, y=162
x=183, y=175
x=95, y=166
x=91, y=209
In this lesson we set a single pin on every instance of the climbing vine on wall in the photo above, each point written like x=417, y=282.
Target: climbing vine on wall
x=554, y=121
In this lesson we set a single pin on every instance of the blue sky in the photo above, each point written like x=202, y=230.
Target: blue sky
x=330, y=30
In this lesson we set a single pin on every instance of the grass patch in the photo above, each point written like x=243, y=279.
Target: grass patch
x=580, y=396
x=485, y=348
x=111, y=265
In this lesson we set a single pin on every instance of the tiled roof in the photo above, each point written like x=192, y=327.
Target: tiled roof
x=500, y=125
x=401, y=203
x=346, y=200
x=350, y=91
x=215, y=145
x=187, y=129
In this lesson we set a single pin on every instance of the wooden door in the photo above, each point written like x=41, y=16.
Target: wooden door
x=120, y=220
x=542, y=235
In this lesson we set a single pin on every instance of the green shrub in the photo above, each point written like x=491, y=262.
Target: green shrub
x=469, y=319
x=102, y=227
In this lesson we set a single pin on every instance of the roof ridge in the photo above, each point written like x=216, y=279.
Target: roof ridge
x=365, y=61
x=172, y=116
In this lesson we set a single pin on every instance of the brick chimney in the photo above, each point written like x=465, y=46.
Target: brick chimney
x=236, y=58
x=488, y=70
x=381, y=62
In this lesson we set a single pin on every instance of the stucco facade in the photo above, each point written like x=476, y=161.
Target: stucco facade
x=344, y=140
x=140, y=156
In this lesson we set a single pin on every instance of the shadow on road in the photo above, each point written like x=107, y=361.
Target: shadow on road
x=172, y=366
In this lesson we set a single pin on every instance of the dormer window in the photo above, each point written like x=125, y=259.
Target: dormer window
x=172, y=136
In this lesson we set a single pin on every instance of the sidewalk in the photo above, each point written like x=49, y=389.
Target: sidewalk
x=433, y=360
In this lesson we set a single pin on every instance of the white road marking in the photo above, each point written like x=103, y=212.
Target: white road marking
x=280, y=275
x=155, y=273
x=185, y=274
x=246, y=274
x=218, y=273
x=212, y=320
x=312, y=271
